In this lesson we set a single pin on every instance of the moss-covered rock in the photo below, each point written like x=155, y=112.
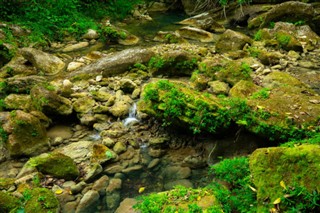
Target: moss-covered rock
x=180, y=199
x=55, y=164
x=229, y=71
x=18, y=101
x=45, y=99
x=231, y=41
x=26, y=134
x=42, y=200
x=6, y=183
x=8, y=202
x=275, y=169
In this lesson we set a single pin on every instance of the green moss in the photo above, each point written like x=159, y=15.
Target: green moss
x=55, y=164
x=270, y=166
x=6, y=183
x=180, y=199
x=41, y=200
x=8, y=202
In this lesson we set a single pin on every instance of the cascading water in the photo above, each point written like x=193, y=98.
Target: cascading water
x=132, y=116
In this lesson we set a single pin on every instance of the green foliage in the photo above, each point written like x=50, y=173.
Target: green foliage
x=298, y=199
x=3, y=135
x=188, y=64
x=156, y=62
x=262, y=94
x=315, y=139
x=56, y=19
x=171, y=39
x=271, y=25
x=245, y=69
x=258, y=35
x=283, y=39
x=169, y=201
x=254, y=52
x=240, y=197
x=112, y=34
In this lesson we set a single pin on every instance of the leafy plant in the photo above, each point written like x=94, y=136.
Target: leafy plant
x=246, y=69
x=261, y=94
x=258, y=35
x=3, y=135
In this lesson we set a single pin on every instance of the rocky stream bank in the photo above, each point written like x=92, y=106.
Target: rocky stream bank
x=85, y=128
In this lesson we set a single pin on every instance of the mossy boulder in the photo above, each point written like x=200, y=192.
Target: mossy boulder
x=55, y=164
x=231, y=41
x=6, y=183
x=24, y=84
x=84, y=104
x=284, y=107
x=26, y=134
x=181, y=199
x=229, y=71
x=18, y=101
x=42, y=200
x=274, y=169
x=46, y=99
x=8, y=202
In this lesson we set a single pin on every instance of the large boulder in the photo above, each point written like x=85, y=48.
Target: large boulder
x=24, y=84
x=204, y=21
x=48, y=101
x=231, y=41
x=18, y=65
x=116, y=63
x=277, y=169
x=56, y=164
x=293, y=10
x=196, y=34
x=44, y=62
x=26, y=133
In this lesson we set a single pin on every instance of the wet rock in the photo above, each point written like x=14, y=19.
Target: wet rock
x=243, y=89
x=113, y=200
x=154, y=163
x=101, y=184
x=44, y=62
x=116, y=63
x=102, y=154
x=231, y=41
x=127, y=206
x=26, y=134
x=295, y=165
x=75, y=47
x=218, y=88
x=121, y=107
x=89, y=202
x=196, y=34
x=114, y=185
x=101, y=95
x=55, y=164
x=92, y=171
x=127, y=85
x=204, y=21
x=75, y=189
x=184, y=182
x=176, y=173
x=158, y=141
x=49, y=102
x=113, y=169
x=132, y=169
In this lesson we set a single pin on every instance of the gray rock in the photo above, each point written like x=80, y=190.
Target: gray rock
x=116, y=63
x=126, y=206
x=88, y=203
x=91, y=34
x=44, y=62
x=78, y=151
x=183, y=182
x=75, y=47
x=196, y=34
x=75, y=189
x=92, y=171
x=101, y=184
x=176, y=173
x=113, y=200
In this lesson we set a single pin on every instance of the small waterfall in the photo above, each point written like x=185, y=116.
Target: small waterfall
x=132, y=116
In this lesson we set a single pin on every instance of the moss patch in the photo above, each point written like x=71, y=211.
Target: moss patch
x=55, y=164
x=41, y=200
x=298, y=165
x=8, y=202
